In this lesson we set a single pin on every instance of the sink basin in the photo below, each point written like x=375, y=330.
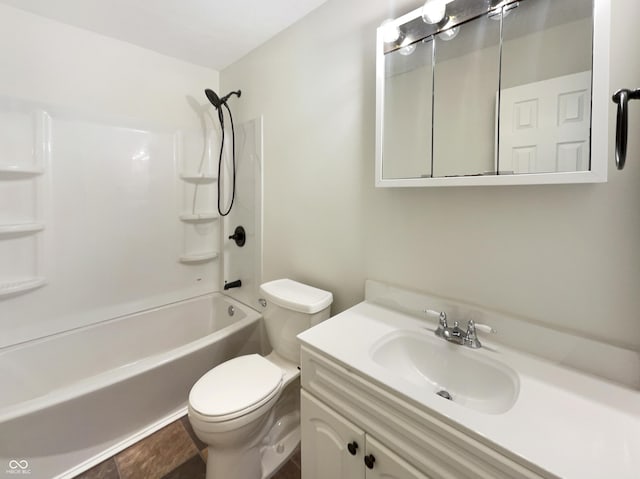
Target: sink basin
x=453, y=372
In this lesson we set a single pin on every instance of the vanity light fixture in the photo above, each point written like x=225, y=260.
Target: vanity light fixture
x=434, y=11
x=390, y=33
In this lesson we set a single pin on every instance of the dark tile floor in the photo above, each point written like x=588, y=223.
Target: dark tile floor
x=173, y=452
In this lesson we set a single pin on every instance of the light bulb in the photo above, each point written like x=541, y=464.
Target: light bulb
x=434, y=11
x=390, y=33
x=449, y=34
x=408, y=50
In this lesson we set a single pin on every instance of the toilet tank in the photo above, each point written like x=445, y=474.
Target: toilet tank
x=292, y=307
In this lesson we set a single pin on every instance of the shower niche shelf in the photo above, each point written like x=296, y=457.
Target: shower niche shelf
x=196, y=168
x=8, y=172
x=196, y=177
x=14, y=287
x=25, y=149
x=198, y=257
x=198, y=217
x=22, y=228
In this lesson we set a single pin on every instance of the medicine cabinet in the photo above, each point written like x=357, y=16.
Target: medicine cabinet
x=493, y=92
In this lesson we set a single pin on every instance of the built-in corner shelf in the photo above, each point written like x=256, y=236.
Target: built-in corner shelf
x=199, y=217
x=197, y=171
x=25, y=153
x=21, y=228
x=199, y=257
x=15, y=171
x=196, y=177
x=13, y=287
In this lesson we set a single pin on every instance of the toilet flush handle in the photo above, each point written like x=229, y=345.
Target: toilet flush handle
x=263, y=302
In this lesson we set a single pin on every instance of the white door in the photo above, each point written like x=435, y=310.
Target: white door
x=332, y=447
x=545, y=126
x=385, y=464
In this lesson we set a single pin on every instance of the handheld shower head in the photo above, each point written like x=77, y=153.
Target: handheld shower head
x=218, y=103
x=216, y=100
x=213, y=98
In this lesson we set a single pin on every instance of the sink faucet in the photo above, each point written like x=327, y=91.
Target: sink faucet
x=456, y=334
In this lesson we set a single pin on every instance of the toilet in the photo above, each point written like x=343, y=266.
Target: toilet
x=247, y=409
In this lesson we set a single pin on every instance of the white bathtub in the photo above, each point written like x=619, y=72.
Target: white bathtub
x=71, y=400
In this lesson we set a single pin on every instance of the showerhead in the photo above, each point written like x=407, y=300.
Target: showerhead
x=213, y=98
x=216, y=100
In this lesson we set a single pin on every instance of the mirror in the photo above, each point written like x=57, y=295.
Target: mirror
x=408, y=93
x=494, y=92
x=545, y=90
x=467, y=77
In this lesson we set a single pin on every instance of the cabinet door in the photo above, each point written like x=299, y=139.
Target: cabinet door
x=325, y=443
x=381, y=463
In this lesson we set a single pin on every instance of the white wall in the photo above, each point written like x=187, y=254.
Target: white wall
x=563, y=255
x=110, y=194
x=54, y=63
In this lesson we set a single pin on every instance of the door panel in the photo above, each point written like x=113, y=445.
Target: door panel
x=388, y=465
x=325, y=436
x=545, y=126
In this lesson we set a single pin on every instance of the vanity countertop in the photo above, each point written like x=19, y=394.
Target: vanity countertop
x=570, y=424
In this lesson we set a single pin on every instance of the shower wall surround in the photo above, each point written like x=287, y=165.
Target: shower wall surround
x=102, y=146
x=244, y=263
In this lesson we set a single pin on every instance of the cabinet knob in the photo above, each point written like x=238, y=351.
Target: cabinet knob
x=369, y=460
x=353, y=448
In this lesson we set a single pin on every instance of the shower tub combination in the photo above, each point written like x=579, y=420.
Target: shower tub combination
x=71, y=400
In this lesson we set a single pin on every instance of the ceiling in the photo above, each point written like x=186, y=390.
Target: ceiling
x=211, y=33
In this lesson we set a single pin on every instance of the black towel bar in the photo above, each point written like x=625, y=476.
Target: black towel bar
x=622, y=98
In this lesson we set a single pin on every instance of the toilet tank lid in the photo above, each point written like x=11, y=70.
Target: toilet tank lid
x=296, y=296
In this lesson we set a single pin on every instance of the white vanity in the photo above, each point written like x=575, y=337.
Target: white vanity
x=370, y=405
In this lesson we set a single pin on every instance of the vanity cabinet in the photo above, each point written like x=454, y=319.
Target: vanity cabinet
x=340, y=407
x=333, y=447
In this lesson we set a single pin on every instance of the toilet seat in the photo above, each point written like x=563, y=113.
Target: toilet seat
x=235, y=388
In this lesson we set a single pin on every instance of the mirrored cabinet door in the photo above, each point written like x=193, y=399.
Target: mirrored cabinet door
x=545, y=95
x=408, y=87
x=467, y=78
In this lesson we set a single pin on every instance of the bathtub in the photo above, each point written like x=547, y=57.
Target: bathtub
x=71, y=400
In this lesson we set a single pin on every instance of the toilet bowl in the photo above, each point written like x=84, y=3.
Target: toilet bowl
x=247, y=409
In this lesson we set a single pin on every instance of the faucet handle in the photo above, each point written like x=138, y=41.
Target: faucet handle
x=485, y=328
x=442, y=320
x=441, y=316
x=471, y=337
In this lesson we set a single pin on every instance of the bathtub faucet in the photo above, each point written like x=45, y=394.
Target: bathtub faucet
x=233, y=284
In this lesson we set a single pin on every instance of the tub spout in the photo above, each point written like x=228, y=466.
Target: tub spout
x=233, y=284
